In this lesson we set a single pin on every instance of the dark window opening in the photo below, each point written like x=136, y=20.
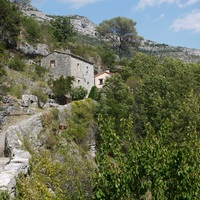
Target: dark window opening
x=101, y=81
x=52, y=63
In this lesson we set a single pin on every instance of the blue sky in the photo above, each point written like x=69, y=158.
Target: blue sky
x=173, y=22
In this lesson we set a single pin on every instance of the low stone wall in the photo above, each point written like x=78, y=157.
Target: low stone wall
x=19, y=159
x=16, y=159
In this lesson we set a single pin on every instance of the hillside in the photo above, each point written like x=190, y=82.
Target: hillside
x=136, y=137
x=163, y=50
x=87, y=28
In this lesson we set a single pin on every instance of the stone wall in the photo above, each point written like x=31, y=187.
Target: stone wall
x=58, y=64
x=67, y=64
x=83, y=72
x=19, y=158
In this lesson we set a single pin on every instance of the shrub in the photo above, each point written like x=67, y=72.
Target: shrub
x=17, y=64
x=61, y=87
x=32, y=30
x=17, y=90
x=42, y=98
x=4, y=196
x=78, y=93
x=94, y=93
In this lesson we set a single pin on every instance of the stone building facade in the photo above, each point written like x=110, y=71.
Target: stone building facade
x=64, y=63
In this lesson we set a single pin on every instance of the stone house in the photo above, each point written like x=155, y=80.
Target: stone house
x=67, y=64
x=100, y=78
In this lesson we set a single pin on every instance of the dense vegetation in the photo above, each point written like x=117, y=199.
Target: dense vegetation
x=145, y=118
x=148, y=123
x=148, y=148
x=59, y=169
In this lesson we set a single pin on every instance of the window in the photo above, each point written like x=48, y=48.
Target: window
x=100, y=81
x=87, y=70
x=52, y=63
x=78, y=81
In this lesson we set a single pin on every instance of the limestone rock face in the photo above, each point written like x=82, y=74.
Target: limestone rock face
x=163, y=50
x=83, y=25
x=17, y=160
x=40, y=49
x=30, y=11
x=18, y=164
x=27, y=129
x=29, y=98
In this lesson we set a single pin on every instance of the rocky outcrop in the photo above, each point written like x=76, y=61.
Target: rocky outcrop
x=40, y=49
x=83, y=25
x=14, y=107
x=28, y=129
x=163, y=50
x=30, y=11
x=11, y=169
x=18, y=161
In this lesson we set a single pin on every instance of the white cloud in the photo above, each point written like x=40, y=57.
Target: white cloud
x=160, y=17
x=78, y=3
x=187, y=3
x=190, y=21
x=181, y=3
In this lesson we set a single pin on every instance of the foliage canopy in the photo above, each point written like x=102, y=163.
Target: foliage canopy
x=121, y=32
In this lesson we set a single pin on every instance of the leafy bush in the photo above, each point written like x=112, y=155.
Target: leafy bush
x=78, y=93
x=40, y=71
x=61, y=87
x=80, y=121
x=94, y=93
x=10, y=24
x=58, y=170
x=32, y=30
x=4, y=196
x=17, y=64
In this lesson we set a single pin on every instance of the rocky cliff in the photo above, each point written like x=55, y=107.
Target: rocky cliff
x=163, y=50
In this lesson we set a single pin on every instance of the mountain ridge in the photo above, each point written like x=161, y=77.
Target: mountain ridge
x=85, y=26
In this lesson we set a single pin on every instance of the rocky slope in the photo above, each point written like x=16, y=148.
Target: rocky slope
x=163, y=50
x=85, y=27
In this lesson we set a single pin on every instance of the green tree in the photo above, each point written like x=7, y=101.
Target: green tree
x=141, y=65
x=116, y=99
x=62, y=87
x=62, y=29
x=16, y=63
x=31, y=30
x=121, y=32
x=107, y=58
x=111, y=178
x=42, y=98
x=9, y=23
x=152, y=167
x=94, y=93
x=78, y=93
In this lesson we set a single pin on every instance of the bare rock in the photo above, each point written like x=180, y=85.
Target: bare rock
x=40, y=49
